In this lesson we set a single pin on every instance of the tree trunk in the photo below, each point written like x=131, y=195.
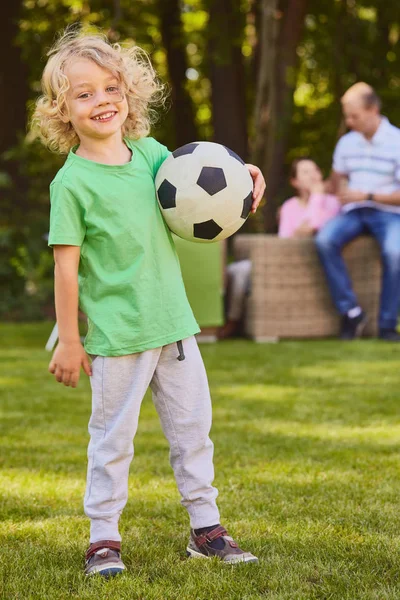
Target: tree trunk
x=113, y=33
x=173, y=39
x=13, y=79
x=281, y=29
x=13, y=100
x=226, y=30
x=383, y=23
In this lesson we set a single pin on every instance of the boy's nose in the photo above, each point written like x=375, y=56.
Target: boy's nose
x=102, y=98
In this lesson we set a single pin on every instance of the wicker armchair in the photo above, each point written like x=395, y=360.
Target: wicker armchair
x=289, y=295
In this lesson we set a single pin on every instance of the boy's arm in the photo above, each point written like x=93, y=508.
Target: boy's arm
x=69, y=355
x=259, y=186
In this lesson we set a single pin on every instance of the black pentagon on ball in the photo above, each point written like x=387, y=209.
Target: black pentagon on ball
x=167, y=194
x=186, y=149
x=247, y=202
x=234, y=155
x=207, y=230
x=212, y=180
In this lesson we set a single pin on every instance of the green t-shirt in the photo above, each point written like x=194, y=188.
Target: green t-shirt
x=130, y=282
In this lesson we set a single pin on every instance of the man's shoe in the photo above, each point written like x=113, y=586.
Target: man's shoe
x=104, y=558
x=389, y=335
x=200, y=547
x=353, y=328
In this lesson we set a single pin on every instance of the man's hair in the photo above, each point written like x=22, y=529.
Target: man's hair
x=363, y=92
x=130, y=64
x=372, y=99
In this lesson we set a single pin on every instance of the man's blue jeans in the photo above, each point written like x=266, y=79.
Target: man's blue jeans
x=385, y=227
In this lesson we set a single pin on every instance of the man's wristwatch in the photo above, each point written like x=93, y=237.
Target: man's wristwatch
x=371, y=197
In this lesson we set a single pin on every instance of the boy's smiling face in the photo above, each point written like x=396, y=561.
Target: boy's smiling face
x=96, y=107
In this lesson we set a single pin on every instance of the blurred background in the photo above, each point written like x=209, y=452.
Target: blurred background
x=263, y=77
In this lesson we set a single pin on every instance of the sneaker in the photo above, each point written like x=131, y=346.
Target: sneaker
x=200, y=547
x=104, y=558
x=389, y=335
x=353, y=328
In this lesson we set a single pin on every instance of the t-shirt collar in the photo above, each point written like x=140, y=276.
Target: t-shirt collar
x=90, y=164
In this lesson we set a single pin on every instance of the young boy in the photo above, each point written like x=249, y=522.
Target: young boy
x=111, y=243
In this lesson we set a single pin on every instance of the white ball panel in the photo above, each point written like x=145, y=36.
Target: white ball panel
x=181, y=171
x=193, y=204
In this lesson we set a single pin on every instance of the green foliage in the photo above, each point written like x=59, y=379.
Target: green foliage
x=344, y=41
x=26, y=288
x=27, y=265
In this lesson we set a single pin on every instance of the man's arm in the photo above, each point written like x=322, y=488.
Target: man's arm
x=351, y=196
x=335, y=183
x=393, y=198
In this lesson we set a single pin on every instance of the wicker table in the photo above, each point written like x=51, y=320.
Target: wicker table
x=289, y=295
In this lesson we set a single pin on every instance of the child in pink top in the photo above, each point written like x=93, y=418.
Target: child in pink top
x=304, y=214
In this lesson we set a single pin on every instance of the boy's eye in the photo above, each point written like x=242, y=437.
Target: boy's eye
x=113, y=89
x=84, y=96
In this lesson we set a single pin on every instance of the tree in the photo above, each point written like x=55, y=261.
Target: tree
x=226, y=69
x=281, y=28
x=13, y=101
x=174, y=43
x=13, y=78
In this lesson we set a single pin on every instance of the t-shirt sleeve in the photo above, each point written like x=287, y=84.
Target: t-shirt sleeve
x=67, y=225
x=339, y=163
x=160, y=153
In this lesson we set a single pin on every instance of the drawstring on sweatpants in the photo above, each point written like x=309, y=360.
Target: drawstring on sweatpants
x=180, y=350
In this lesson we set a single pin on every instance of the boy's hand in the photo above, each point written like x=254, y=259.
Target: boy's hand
x=259, y=186
x=67, y=361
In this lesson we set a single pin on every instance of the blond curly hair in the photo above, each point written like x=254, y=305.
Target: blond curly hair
x=131, y=65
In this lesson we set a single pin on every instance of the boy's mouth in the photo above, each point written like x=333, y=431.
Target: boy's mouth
x=106, y=116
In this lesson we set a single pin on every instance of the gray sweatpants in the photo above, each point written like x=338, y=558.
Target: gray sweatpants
x=182, y=399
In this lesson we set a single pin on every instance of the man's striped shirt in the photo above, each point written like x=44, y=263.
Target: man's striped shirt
x=372, y=166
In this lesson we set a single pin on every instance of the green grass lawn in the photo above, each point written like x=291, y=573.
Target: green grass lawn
x=307, y=441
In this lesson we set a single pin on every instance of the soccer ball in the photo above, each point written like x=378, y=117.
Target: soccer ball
x=205, y=192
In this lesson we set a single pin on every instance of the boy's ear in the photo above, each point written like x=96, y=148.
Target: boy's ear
x=63, y=117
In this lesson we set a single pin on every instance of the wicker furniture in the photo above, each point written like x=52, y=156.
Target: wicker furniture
x=289, y=296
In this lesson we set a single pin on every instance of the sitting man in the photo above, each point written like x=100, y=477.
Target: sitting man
x=300, y=216
x=366, y=178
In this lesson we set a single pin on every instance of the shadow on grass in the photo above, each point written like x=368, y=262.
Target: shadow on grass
x=236, y=441
x=276, y=477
